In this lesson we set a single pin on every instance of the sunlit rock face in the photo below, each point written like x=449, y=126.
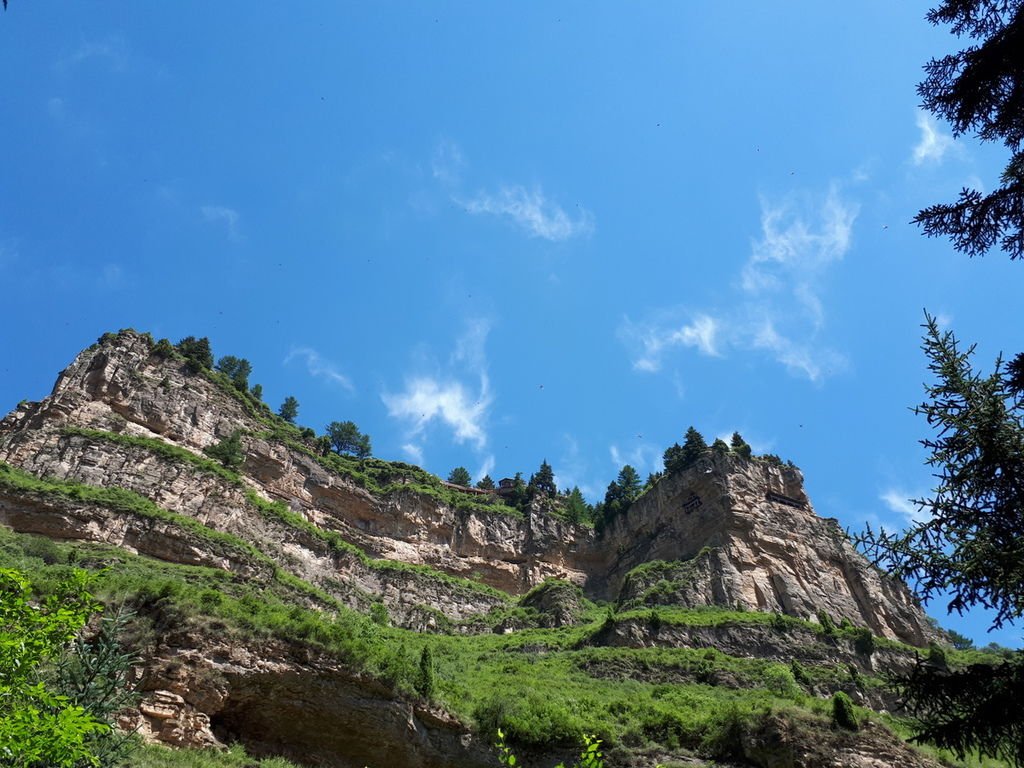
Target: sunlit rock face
x=726, y=531
x=753, y=541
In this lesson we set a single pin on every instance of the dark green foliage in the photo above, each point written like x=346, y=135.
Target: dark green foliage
x=345, y=439
x=843, y=713
x=289, y=410
x=197, y=353
x=96, y=673
x=486, y=483
x=620, y=494
x=720, y=447
x=542, y=482
x=678, y=457
x=827, y=625
x=800, y=674
x=59, y=720
x=237, y=369
x=963, y=710
x=576, y=509
x=228, y=451
x=978, y=90
x=863, y=641
x=425, y=683
x=724, y=739
x=520, y=496
x=257, y=391
x=936, y=655
x=739, y=446
x=460, y=476
x=958, y=641
x=969, y=545
x=163, y=349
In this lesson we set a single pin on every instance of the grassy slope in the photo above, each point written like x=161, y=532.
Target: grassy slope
x=540, y=686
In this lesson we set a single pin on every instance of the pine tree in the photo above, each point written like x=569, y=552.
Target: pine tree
x=345, y=438
x=197, y=353
x=739, y=446
x=679, y=457
x=543, y=481
x=237, y=369
x=577, y=511
x=460, y=476
x=289, y=410
x=979, y=90
x=486, y=483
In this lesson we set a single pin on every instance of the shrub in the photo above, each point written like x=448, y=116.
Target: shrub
x=781, y=682
x=425, y=679
x=228, y=451
x=843, y=713
x=197, y=353
x=864, y=641
x=800, y=674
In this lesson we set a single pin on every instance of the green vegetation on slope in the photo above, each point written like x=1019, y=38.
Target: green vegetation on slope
x=542, y=687
x=273, y=510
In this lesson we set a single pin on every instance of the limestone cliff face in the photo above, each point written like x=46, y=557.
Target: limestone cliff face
x=120, y=386
x=727, y=531
x=752, y=540
x=747, y=527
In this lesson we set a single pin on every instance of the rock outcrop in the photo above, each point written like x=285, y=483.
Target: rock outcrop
x=129, y=415
x=734, y=532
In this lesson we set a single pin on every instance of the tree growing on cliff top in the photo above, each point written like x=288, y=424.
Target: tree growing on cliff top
x=197, y=353
x=237, y=369
x=460, y=476
x=678, y=457
x=289, y=410
x=345, y=438
x=543, y=480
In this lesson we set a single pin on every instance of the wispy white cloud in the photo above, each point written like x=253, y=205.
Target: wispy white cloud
x=414, y=452
x=486, y=467
x=777, y=307
x=644, y=457
x=812, y=362
x=533, y=212
x=113, y=50
x=933, y=143
x=898, y=501
x=317, y=366
x=461, y=406
x=221, y=214
x=650, y=341
x=794, y=249
x=447, y=163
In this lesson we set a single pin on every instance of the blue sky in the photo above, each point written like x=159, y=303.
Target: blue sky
x=492, y=234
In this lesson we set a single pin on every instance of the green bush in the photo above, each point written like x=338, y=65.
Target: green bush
x=864, y=641
x=843, y=713
x=781, y=682
x=229, y=451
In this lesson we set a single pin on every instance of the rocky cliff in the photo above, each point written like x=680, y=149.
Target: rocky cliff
x=135, y=417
